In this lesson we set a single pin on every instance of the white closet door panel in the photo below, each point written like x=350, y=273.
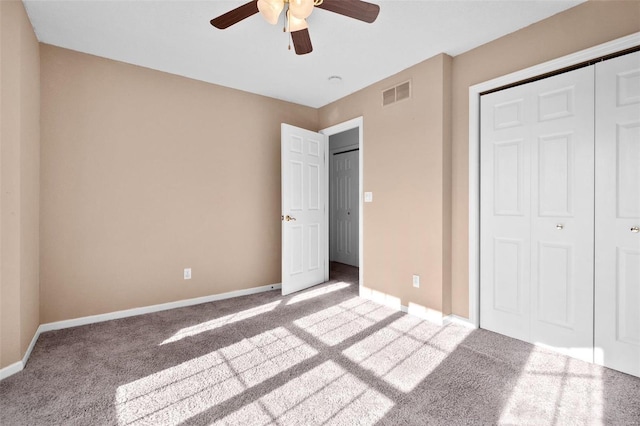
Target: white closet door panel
x=536, y=215
x=505, y=214
x=562, y=185
x=617, y=266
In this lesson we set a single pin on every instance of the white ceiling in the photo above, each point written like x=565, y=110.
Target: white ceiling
x=176, y=37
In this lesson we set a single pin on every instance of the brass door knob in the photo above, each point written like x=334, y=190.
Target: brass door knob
x=288, y=218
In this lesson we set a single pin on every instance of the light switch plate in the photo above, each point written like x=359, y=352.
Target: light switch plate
x=187, y=273
x=416, y=281
x=368, y=197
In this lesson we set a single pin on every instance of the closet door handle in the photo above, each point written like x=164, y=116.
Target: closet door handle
x=635, y=229
x=559, y=227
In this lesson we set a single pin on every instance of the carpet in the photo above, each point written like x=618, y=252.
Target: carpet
x=322, y=356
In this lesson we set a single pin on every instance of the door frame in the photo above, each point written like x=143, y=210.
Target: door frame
x=554, y=65
x=329, y=131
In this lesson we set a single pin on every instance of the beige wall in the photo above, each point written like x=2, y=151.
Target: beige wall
x=406, y=166
x=581, y=27
x=19, y=182
x=146, y=173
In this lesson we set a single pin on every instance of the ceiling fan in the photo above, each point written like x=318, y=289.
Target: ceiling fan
x=297, y=13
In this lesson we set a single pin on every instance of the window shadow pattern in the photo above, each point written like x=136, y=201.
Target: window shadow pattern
x=324, y=356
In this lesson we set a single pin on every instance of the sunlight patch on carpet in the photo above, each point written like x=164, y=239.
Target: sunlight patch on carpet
x=404, y=353
x=317, y=292
x=337, y=323
x=325, y=395
x=566, y=390
x=222, y=321
x=178, y=393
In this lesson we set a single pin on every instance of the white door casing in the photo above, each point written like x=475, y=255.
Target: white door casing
x=617, y=266
x=345, y=206
x=304, y=233
x=537, y=212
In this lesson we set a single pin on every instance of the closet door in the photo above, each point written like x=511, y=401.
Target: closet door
x=505, y=222
x=617, y=266
x=536, y=217
x=562, y=217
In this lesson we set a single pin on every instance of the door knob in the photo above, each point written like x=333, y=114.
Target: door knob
x=288, y=218
x=560, y=227
x=635, y=229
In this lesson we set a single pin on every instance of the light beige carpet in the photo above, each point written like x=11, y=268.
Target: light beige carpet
x=324, y=356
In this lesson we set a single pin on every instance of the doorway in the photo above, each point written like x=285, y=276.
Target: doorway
x=344, y=158
x=343, y=197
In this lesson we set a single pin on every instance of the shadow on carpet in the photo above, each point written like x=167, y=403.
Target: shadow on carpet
x=322, y=356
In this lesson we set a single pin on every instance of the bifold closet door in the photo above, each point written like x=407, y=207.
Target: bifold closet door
x=617, y=266
x=536, y=192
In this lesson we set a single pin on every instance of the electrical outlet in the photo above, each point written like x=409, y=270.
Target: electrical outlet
x=416, y=281
x=187, y=273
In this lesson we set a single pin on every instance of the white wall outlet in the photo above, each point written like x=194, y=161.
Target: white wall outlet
x=187, y=273
x=416, y=281
x=368, y=197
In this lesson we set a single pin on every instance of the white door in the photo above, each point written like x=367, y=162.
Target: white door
x=505, y=186
x=345, y=207
x=537, y=212
x=562, y=217
x=304, y=232
x=617, y=267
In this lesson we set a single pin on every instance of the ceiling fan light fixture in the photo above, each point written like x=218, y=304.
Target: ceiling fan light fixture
x=301, y=9
x=295, y=24
x=270, y=10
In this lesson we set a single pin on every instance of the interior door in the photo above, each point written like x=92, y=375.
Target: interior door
x=537, y=212
x=345, y=205
x=617, y=266
x=304, y=225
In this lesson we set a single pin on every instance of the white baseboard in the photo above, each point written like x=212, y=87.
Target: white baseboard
x=27, y=354
x=10, y=370
x=455, y=319
x=431, y=315
x=59, y=325
x=18, y=366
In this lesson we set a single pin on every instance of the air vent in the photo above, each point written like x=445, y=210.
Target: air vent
x=397, y=93
x=403, y=91
x=389, y=96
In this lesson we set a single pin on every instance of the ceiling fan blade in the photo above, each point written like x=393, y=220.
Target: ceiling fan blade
x=236, y=15
x=357, y=9
x=301, y=41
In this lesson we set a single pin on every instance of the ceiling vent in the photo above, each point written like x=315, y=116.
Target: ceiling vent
x=397, y=93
